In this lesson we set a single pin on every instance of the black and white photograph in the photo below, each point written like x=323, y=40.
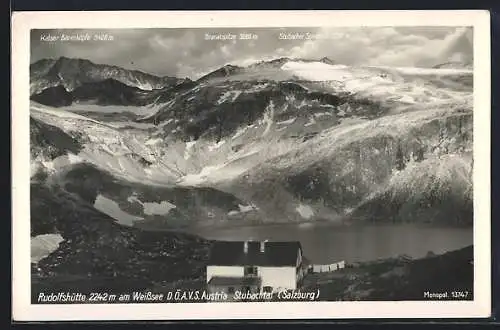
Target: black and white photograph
x=173, y=165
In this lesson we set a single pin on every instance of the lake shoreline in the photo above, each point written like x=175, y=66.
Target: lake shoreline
x=325, y=243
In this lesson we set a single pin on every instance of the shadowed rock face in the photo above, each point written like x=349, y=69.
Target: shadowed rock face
x=105, y=92
x=50, y=141
x=110, y=92
x=217, y=110
x=190, y=204
x=55, y=96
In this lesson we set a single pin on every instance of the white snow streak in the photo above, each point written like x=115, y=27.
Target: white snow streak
x=230, y=96
x=216, y=146
x=268, y=118
x=310, y=122
x=289, y=121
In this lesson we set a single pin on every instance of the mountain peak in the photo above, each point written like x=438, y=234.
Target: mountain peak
x=327, y=60
x=274, y=62
x=278, y=62
x=64, y=59
x=63, y=64
x=73, y=72
x=221, y=72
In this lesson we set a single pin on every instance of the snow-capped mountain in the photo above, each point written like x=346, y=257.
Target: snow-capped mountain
x=305, y=93
x=276, y=141
x=73, y=72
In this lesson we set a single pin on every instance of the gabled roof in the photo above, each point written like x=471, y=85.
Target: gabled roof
x=225, y=281
x=231, y=253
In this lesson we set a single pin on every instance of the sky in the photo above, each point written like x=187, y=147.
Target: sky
x=187, y=53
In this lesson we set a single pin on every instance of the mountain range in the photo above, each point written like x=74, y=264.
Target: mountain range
x=328, y=136
x=123, y=152
x=73, y=72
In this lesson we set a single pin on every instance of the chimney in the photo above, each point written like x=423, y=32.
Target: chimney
x=245, y=246
x=263, y=246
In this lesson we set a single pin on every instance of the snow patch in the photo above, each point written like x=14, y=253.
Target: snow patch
x=230, y=96
x=43, y=245
x=152, y=142
x=133, y=198
x=165, y=123
x=212, y=174
x=305, y=211
x=385, y=84
x=240, y=132
x=426, y=71
x=407, y=99
x=317, y=71
x=59, y=113
x=111, y=208
x=73, y=159
x=49, y=165
x=158, y=208
x=140, y=110
x=268, y=118
x=289, y=121
x=216, y=146
x=195, y=179
x=321, y=114
x=257, y=88
x=151, y=110
x=243, y=209
x=310, y=122
x=187, y=151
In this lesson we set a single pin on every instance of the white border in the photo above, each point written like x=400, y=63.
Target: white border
x=22, y=22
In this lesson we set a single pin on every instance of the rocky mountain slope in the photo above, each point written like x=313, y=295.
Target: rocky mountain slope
x=94, y=253
x=122, y=160
x=72, y=72
x=104, y=92
x=268, y=141
x=78, y=247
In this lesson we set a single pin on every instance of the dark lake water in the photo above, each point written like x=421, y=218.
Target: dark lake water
x=330, y=243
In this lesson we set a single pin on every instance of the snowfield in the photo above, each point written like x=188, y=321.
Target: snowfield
x=106, y=147
x=401, y=85
x=43, y=245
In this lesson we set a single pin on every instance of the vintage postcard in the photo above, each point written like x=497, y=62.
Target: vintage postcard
x=251, y=165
